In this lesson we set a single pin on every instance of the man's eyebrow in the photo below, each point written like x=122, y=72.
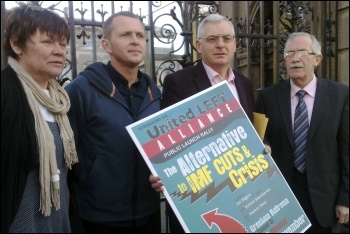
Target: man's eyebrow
x=132, y=31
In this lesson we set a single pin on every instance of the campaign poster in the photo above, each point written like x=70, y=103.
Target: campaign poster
x=216, y=174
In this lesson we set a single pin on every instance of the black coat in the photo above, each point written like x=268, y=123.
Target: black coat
x=19, y=153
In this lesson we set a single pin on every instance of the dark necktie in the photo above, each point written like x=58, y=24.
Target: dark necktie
x=301, y=127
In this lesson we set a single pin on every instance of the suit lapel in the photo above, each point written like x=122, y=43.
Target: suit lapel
x=202, y=81
x=322, y=99
x=241, y=90
x=283, y=99
x=200, y=77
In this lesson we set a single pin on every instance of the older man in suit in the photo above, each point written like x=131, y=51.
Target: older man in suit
x=320, y=179
x=216, y=44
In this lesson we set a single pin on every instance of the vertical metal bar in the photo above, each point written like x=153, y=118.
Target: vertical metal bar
x=113, y=7
x=235, y=60
x=277, y=45
x=336, y=42
x=262, y=42
x=151, y=42
x=186, y=20
x=323, y=40
x=93, y=32
x=249, y=54
x=72, y=40
x=328, y=63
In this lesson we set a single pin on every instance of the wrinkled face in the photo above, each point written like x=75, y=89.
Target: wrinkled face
x=219, y=52
x=43, y=58
x=301, y=61
x=127, y=43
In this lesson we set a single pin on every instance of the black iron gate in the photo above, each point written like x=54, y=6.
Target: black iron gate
x=261, y=29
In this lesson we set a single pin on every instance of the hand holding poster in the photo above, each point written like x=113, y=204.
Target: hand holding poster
x=216, y=175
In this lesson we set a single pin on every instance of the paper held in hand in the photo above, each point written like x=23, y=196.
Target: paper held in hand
x=260, y=122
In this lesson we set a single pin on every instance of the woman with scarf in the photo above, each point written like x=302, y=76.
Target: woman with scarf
x=37, y=142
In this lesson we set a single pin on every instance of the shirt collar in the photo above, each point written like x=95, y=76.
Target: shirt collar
x=119, y=79
x=310, y=88
x=212, y=74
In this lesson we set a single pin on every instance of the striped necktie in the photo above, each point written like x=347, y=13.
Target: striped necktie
x=301, y=127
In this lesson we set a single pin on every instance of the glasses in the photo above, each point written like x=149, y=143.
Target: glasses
x=300, y=54
x=215, y=39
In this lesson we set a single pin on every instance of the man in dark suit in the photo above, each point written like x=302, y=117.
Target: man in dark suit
x=216, y=44
x=189, y=81
x=321, y=185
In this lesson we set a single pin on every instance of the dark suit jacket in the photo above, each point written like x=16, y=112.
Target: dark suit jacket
x=327, y=153
x=189, y=81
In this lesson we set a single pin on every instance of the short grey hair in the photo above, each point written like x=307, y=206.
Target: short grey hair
x=315, y=45
x=212, y=18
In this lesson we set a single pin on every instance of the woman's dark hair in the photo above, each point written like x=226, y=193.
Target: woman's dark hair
x=23, y=21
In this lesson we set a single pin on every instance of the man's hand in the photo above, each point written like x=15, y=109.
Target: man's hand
x=268, y=149
x=156, y=183
x=342, y=213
